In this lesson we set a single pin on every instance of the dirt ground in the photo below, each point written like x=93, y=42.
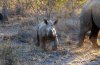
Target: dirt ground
x=26, y=53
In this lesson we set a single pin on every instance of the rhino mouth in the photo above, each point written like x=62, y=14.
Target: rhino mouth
x=51, y=37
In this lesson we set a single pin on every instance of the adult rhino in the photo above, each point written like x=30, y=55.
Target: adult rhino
x=90, y=21
x=47, y=36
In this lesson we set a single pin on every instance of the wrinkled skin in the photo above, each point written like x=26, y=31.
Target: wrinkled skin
x=90, y=21
x=46, y=32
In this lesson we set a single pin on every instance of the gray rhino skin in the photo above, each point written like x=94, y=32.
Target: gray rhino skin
x=90, y=21
x=46, y=32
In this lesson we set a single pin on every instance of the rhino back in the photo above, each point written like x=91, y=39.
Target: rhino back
x=90, y=9
x=42, y=29
x=94, y=6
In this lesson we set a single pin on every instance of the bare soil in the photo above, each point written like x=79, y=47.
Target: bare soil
x=26, y=53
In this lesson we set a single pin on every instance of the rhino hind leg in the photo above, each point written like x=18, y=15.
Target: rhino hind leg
x=94, y=35
x=81, y=39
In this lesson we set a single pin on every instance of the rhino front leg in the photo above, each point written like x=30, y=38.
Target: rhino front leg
x=94, y=35
x=43, y=44
x=84, y=28
x=81, y=39
x=56, y=43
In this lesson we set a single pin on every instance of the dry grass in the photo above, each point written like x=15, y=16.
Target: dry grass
x=26, y=53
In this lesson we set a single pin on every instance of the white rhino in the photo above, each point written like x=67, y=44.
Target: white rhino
x=90, y=21
x=47, y=32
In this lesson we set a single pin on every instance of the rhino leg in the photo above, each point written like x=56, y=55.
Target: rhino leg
x=56, y=43
x=38, y=43
x=94, y=35
x=81, y=36
x=43, y=43
x=81, y=39
x=84, y=28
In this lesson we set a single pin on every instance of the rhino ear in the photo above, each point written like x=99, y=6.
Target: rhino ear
x=45, y=21
x=55, y=22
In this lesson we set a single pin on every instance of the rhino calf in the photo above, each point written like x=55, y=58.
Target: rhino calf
x=47, y=36
x=90, y=21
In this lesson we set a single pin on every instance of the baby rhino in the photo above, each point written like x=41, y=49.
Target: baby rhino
x=47, y=36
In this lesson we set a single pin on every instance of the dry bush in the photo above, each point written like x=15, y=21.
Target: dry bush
x=7, y=55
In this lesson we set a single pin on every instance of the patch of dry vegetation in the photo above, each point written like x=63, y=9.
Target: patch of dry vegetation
x=19, y=47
